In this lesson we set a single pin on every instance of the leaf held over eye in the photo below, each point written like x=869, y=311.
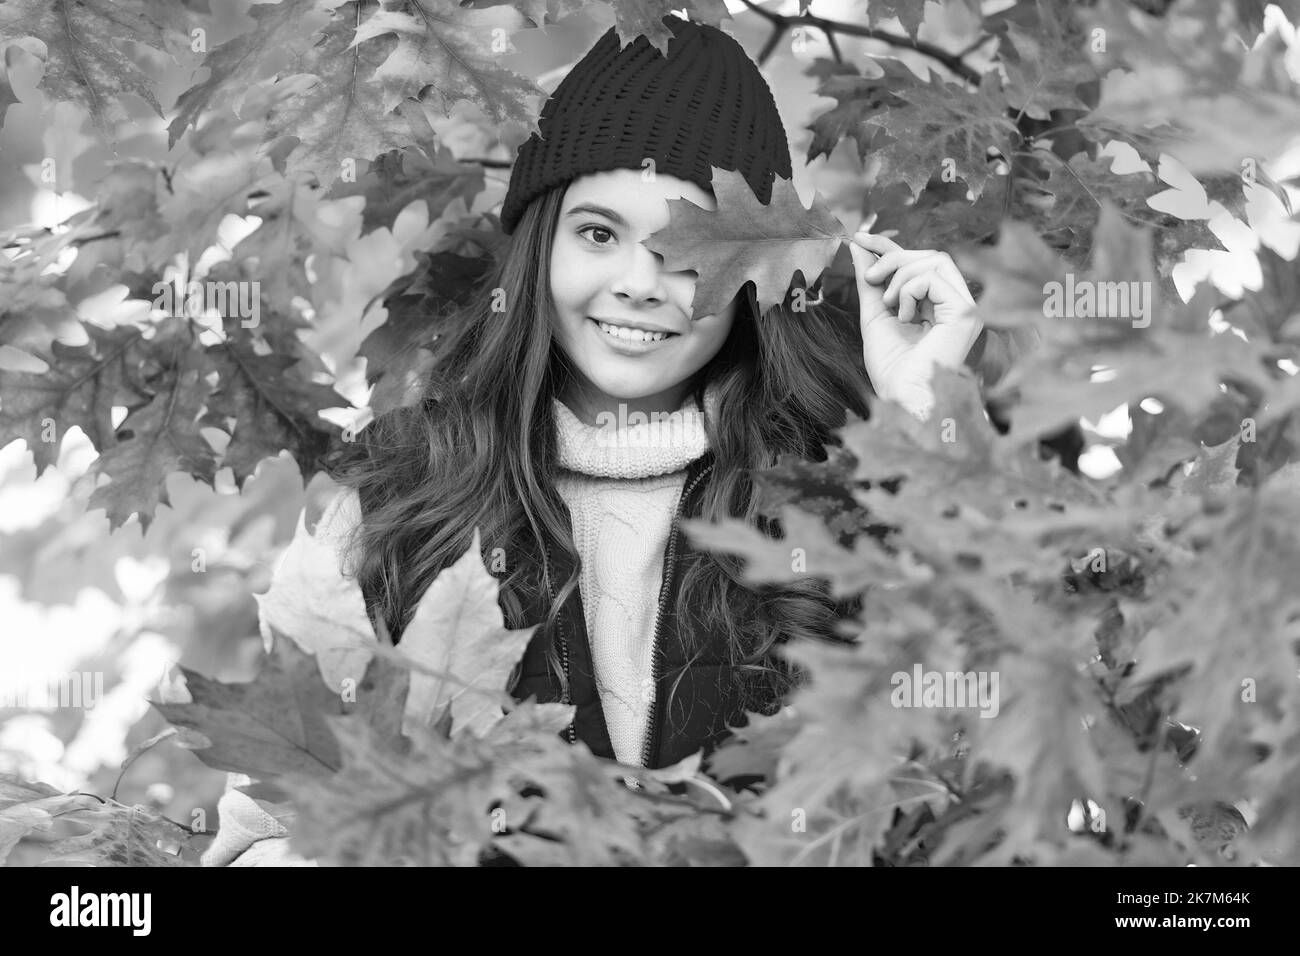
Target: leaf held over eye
x=744, y=240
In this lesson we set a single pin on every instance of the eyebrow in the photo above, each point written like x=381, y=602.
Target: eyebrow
x=593, y=209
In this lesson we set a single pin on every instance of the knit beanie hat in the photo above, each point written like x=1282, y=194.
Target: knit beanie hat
x=704, y=104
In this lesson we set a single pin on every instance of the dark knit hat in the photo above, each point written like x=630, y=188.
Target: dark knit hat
x=705, y=104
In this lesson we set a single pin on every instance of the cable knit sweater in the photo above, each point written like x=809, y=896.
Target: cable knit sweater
x=622, y=486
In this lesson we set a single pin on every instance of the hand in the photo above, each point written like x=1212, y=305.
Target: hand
x=899, y=357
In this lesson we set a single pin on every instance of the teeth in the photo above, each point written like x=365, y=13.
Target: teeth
x=632, y=335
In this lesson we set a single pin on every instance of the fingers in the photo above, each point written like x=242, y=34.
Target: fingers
x=892, y=255
x=887, y=263
x=911, y=293
x=907, y=264
x=926, y=263
x=879, y=258
x=889, y=254
x=875, y=243
x=869, y=295
x=929, y=284
x=948, y=269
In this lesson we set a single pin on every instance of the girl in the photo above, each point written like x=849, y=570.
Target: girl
x=528, y=426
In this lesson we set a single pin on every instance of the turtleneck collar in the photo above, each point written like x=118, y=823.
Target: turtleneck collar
x=637, y=449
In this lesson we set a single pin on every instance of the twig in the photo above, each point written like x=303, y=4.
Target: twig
x=835, y=47
x=1156, y=750
x=704, y=784
x=83, y=240
x=135, y=755
x=975, y=44
x=783, y=22
x=487, y=163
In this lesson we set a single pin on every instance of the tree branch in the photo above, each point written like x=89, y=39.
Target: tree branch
x=782, y=22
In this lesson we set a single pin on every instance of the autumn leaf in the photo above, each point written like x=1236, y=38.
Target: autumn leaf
x=1074, y=188
x=320, y=124
x=1273, y=310
x=86, y=58
x=287, y=29
x=431, y=807
x=1156, y=443
x=1047, y=65
x=119, y=835
x=111, y=834
x=460, y=652
x=458, y=629
x=219, y=167
x=398, y=353
x=1228, y=94
x=446, y=53
x=267, y=403
x=910, y=13
x=940, y=218
x=745, y=240
x=598, y=821
x=1040, y=733
x=79, y=389
x=830, y=800
x=408, y=174
x=273, y=725
x=348, y=296
x=154, y=440
x=756, y=748
x=806, y=550
x=384, y=808
x=825, y=489
x=1214, y=472
x=129, y=221
x=1158, y=347
x=635, y=18
x=296, y=222
x=956, y=455
x=858, y=99
x=694, y=840
x=312, y=599
x=944, y=127
x=28, y=807
x=1233, y=605
x=320, y=110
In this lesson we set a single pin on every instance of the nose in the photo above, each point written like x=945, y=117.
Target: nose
x=643, y=277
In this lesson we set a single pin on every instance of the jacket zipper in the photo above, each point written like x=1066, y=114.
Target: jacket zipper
x=570, y=732
x=651, y=737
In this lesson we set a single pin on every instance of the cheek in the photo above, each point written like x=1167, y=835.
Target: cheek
x=572, y=278
x=718, y=335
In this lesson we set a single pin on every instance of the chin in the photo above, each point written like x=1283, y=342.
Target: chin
x=624, y=391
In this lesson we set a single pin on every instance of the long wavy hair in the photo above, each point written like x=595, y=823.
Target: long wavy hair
x=479, y=449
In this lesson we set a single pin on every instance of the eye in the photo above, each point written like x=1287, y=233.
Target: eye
x=594, y=228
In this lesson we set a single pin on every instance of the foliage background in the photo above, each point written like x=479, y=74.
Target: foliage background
x=104, y=190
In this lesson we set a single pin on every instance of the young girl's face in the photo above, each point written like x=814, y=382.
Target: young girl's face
x=602, y=276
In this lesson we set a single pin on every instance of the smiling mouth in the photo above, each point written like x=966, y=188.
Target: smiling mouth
x=625, y=334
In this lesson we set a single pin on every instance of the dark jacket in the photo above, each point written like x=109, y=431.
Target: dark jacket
x=692, y=708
